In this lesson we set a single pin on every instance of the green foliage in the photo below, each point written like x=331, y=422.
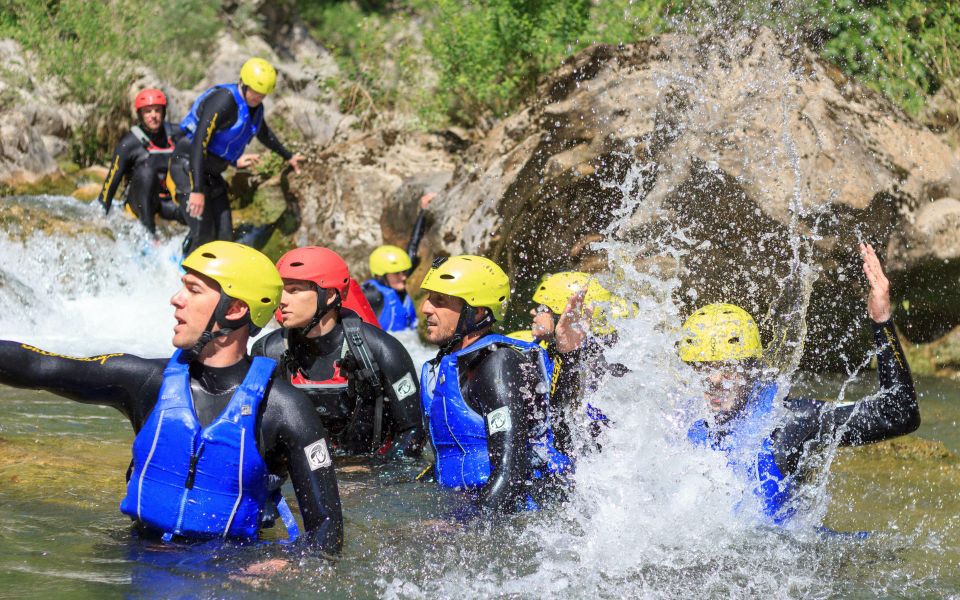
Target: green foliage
x=93, y=47
x=491, y=54
x=906, y=49
x=381, y=58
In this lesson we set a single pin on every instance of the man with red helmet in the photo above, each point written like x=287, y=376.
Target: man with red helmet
x=360, y=379
x=142, y=157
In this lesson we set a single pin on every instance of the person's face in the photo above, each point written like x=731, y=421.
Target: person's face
x=441, y=313
x=298, y=302
x=397, y=281
x=543, y=323
x=152, y=117
x=194, y=305
x=727, y=385
x=253, y=98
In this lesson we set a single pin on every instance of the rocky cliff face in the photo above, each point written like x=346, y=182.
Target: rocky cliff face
x=717, y=160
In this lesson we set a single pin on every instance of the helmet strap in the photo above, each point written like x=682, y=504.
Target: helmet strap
x=466, y=325
x=322, y=308
x=227, y=326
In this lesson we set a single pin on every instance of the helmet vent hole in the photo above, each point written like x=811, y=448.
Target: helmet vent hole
x=266, y=300
x=502, y=298
x=296, y=264
x=447, y=276
x=209, y=255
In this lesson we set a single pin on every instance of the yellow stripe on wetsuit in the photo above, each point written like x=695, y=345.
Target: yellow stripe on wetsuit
x=102, y=358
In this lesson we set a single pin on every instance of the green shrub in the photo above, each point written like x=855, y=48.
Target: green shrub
x=490, y=54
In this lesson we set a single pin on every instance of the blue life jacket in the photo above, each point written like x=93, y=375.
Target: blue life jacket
x=459, y=433
x=749, y=436
x=194, y=482
x=396, y=314
x=228, y=144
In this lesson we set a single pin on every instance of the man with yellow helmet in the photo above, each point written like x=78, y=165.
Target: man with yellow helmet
x=571, y=304
x=220, y=124
x=212, y=426
x=485, y=396
x=770, y=446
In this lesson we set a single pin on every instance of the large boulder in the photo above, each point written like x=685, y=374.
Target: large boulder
x=723, y=160
x=347, y=188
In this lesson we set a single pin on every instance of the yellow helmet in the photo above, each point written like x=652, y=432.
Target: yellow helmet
x=389, y=259
x=555, y=290
x=476, y=280
x=719, y=332
x=615, y=307
x=258, y=75
x=243, y=273
x=524, y=335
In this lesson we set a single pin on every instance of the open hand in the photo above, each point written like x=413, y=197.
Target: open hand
x=294, y=162
x=425, y=200
x=574, y=323
x=195, y=205
x=878, y=302
x=248, y=160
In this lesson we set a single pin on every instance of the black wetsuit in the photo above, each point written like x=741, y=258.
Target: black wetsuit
x=131, y=385
x=492, y=378
x=144, y=163
x=194, y=170
x=814, y=424
x=330, y=361
x=373, y=295
x=575, y=374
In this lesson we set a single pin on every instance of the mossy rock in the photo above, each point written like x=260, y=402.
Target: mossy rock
x=87, y=192
x=20, y=222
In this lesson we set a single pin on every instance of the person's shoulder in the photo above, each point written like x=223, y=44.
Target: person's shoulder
x=270, y=345
x=128, y=140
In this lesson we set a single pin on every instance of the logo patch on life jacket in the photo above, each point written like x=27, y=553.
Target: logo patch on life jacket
x=499, y=420
x=405, y=387
x=317, y=455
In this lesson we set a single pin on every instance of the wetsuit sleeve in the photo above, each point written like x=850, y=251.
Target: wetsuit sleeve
x=402, y=388
x=119, y=165
x=504, y=382
x=266, y=137
x=123, y=381
x=419, y=227
x=892, y=411
x=217, y=112
x=296, y=441
x=374, y=297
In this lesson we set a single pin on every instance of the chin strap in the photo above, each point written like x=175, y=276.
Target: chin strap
x=322, y=308
x=467, y=324
x=226, y=326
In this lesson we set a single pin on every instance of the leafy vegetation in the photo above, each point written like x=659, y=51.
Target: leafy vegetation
x=487, y=56
x=94, y=48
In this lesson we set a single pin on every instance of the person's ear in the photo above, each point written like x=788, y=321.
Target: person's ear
x=237, y=310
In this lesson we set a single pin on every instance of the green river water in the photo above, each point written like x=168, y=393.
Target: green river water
x=62, y=535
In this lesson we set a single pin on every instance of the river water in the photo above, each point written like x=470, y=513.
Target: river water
x=649, y=517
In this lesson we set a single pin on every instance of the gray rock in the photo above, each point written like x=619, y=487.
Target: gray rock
x=708, y=159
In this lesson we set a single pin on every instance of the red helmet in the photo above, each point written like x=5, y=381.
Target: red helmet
x=149, y=97
x=322, y=266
